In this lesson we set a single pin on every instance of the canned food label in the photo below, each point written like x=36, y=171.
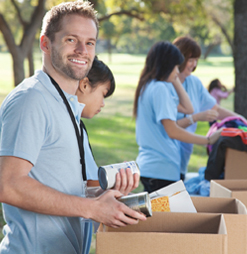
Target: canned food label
x=107, y=174
x=131, y=164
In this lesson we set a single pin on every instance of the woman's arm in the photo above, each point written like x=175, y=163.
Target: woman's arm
x=217, y=112
x=207, y=116
x=223, y=113
x=185, y=105
x=176, y=132
x=222, y=94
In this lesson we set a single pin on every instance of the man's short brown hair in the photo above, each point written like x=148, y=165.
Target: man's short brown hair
x=53, y=18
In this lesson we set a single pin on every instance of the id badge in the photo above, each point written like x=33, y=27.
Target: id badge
x=85, y=188
x=91, y=191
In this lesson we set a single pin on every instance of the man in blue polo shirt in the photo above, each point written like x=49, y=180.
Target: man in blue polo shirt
x=41, y=185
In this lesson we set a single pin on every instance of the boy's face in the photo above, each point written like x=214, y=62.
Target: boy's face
x=93, y=98
x=73, y=49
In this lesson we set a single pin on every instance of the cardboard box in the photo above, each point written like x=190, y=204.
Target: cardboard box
x=235, y=164
x=235, y=214
x=229, y=189
x=179, y=198
x=165, y=232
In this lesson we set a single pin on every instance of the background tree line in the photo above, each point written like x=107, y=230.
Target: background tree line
x=134, y=25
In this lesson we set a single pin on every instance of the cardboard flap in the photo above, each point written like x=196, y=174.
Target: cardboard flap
x=218, y=190
x=164, y=232
x=241, y=207
x=175, y=223
x=179, y=198
x=222, y=226
x=233, y=184
x=218, y=205
x=182, y=203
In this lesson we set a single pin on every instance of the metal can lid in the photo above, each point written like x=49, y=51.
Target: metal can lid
x=138, y=202
x=102, y=175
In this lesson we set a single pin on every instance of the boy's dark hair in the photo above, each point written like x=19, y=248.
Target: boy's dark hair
x=101, y=73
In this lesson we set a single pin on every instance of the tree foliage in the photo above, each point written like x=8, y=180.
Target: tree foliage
x=19, y=39
x=134, y=25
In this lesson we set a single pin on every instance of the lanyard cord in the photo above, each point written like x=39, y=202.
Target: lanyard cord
x=79, y=137
x=82, y=126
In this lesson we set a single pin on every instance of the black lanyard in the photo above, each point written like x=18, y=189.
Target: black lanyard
x=79, y=137
x=82, y=126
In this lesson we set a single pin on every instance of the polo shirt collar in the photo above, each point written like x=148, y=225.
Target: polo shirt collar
x=72, y=99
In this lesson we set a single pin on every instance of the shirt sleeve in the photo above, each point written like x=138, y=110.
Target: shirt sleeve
x=207, y=101
x=23, y=126
x=165, y=101
x=220, y=93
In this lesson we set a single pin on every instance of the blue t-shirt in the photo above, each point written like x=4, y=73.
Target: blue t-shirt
x=91, y=166
x=201, y=101
x=35, y=126
x=158, y=154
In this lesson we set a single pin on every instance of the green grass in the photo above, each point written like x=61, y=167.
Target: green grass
x=126, y=69
x=112, y=132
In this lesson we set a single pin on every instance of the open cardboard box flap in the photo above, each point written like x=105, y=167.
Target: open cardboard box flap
x=219, y=205
x=229, y=188
x=181, y=233
x=179, y=198
x=235, y=215
x=175, y=223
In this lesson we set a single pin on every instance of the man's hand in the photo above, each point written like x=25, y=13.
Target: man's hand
x=126, y=181
x=113, y=213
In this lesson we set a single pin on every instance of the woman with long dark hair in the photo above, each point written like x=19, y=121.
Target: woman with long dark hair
x=159, y=96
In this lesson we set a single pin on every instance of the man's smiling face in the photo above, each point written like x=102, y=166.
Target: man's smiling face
x=73, y=49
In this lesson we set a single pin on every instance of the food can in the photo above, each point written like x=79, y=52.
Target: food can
x=139, y=202
x=107, y=174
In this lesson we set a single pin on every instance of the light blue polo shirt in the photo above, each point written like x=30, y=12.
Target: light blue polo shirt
x=35, y=126
x=201, y=101
x=158, y=156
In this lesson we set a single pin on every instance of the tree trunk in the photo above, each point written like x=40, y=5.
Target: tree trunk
x=18, y=66
x=209, y=49
x=30, y=61
x=240, y=56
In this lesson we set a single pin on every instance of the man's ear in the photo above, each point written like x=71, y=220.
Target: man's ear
x=44, y=44
x=83, y=84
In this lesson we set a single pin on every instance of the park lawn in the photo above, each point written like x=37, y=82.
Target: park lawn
x=126, y=69
x=112, y=132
